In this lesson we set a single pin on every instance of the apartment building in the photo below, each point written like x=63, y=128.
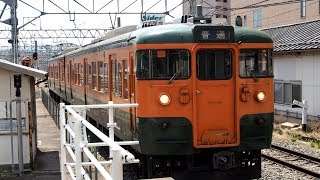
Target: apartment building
x=264, y=14
x=294, y=26
x=215, y=9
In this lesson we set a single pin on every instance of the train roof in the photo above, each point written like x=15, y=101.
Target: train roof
x=183, y=33
x=169, y=33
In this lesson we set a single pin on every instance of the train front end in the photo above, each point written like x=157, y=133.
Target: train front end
x=205, y=97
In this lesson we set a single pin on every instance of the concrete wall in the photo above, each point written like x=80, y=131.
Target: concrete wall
x=304, y=67
x=275, y=14
x=5, y=155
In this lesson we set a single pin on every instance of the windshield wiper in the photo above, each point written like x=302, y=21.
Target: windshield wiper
x=175, y=75
x=249, y=72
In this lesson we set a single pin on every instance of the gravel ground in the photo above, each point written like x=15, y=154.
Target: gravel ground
x=272, y=170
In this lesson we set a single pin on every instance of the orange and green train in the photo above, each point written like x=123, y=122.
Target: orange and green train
x=205, y=96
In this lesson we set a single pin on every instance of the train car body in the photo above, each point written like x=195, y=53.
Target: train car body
x=205, y=94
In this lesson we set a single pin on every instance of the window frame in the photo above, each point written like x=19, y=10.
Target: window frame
x=283, y=98
x=269, y=65
x=100, y=75
x=303, y=8
x=151, y=66
x=257, y=18
x=231, y=64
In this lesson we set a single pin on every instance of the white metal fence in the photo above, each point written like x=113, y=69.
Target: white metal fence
x=73, y=141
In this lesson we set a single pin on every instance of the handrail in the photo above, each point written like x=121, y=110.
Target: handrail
x=119, y=156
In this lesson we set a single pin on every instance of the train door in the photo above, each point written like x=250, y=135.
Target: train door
x=132, y=99
x=215, y=123
x=112, y=77
x=59, y=76
x=71, y=76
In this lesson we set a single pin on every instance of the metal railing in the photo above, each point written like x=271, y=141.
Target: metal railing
x=51, y=105
x=73, y=127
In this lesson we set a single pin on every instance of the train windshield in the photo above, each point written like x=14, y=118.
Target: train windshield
x=163, y=64
x=255, y=63
x=214, y=64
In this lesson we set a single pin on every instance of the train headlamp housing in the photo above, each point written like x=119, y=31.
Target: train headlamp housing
x=261, y=96
x=164, y=99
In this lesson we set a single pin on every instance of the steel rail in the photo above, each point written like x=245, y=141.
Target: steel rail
x=290, y=165
x=307, y=157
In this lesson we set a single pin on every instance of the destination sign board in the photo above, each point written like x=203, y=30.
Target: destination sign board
x=213, y=34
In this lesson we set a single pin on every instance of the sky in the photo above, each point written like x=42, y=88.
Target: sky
x=26, y=13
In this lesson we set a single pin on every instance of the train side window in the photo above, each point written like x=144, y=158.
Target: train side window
x=76, y=71
x=114, y=73
x=62, y=72
x=125, y=80
x=106, y=82
x=81, y=74
x=57, y=72
x=68, y=73
x=119, y=80
x=94, y=75
x=89, y=74
x=100, y=78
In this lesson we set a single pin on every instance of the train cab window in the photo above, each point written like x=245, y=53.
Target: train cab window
x=106, y=82
x=163, y=64
x=100, y=78
x=255, y=63
x=214, y=64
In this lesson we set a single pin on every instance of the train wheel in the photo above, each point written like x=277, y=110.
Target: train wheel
x=130, y=172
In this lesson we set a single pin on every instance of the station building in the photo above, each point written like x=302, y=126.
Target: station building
x=9, y=114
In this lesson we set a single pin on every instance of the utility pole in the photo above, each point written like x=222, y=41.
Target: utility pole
x=14, y=31
x=13, y=21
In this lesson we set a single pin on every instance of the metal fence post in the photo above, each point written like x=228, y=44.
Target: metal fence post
x=77, y=141
x=63, y=158
x=111, y=121
x=111, y=124
x=116, y=167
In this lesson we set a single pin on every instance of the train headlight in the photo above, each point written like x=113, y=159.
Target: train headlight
x=261, y=96
x=164, y=99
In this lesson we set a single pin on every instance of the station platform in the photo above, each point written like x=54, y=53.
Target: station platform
x=47, y=165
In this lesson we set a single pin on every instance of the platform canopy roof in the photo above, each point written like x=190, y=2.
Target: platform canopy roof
x=22, y=69
x=302, y=36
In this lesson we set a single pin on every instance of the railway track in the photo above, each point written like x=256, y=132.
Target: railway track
x=293, y=159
